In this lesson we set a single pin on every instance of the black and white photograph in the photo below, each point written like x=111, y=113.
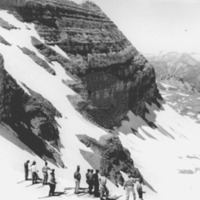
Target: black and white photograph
x=100, y=99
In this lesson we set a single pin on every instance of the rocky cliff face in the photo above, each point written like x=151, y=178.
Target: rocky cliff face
x=110, y=77
x=94, y=45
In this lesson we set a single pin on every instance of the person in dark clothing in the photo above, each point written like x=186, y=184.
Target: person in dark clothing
x=52, y=183
x=45, y=173
x=77, y=178
x=26, y=169
x=96, y=183
x=87, y=177
x=139, y=190
x=90, y=181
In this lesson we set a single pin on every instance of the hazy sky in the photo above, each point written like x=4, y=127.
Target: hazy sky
x=157, y=25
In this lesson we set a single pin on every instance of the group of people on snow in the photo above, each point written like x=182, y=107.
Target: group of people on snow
x=97, y=185
x=92, y=179
x=34, y=172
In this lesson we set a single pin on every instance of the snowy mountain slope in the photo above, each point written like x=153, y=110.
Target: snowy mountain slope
x=168, y=157
x=170, y=160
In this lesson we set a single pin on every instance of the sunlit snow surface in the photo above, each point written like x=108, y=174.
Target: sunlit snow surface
x=168, y=157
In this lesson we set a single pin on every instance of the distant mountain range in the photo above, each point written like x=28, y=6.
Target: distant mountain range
x=178, y=69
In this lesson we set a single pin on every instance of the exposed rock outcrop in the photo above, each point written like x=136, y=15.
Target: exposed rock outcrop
x=6, y=25
x=113, y=159
x=38, y=60
x=3, y=41
x=30, y=115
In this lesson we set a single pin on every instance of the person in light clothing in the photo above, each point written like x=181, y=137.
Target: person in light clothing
x=129, y=186
x=45, y=173
x=103, y=187
x=33, y=169
x=77, y=178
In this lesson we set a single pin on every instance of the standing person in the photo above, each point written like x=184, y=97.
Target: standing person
x=26, y=169
x=90, y=180
x=129, y=186
x=45, y=173
x=87, y=177
x=96, y=183
x=77, y=178
x=103, y=187
x=34, y=172
x=52, y=183
x=138, y=187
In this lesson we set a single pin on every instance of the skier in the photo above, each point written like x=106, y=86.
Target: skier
x=138, y=187
x=129, y=186
x=96, y=183
x=34, y=172
x=77, y=178
x=52, y=183
x=90, y=181
x=26, y=169
x=103, y=187
x=45, y=173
